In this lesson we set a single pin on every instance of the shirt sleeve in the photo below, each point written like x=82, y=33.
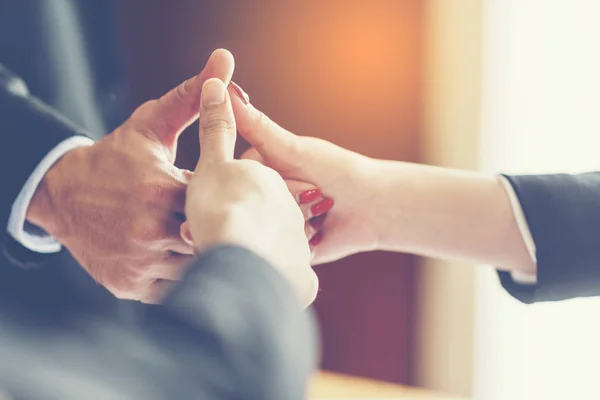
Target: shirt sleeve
x=29, y=131
x=563, y=215
x=518, y=276
x=34, y=239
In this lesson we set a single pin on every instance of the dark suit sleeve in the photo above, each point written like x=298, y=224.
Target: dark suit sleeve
x=232, y=330
x=29, y=129
x=563, y=214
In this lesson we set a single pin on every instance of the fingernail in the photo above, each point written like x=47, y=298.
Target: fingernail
x=309, y=195
x=316, y=239
x=240, y=93
x=317, y=222
x=322, y=207
x=213, y=93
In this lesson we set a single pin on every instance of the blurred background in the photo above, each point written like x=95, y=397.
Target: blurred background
x=495, y=85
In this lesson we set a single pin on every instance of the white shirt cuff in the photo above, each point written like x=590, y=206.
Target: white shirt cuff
x=16, y=223
x=518, y=276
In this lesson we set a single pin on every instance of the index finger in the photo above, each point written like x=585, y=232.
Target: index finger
x=276, y=145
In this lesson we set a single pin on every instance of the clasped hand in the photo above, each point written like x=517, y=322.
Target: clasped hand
x=118, y=205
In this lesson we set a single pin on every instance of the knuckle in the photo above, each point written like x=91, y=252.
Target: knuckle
x=263, y=121
x=182, y=90
x=260, y=122
x=216, y=124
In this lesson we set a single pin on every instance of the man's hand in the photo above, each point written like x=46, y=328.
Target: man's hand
x=117, y=205
x=242, y=202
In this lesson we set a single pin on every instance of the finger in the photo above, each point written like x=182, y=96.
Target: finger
x=270, y=140
x=173, y=241
x=303, y=192
x=186, y=234
x=157, y=291
x=253, y=154
x=309, y=231
x=168, y=116
x=321, y=207
x=217, y=123
x=306, y=196
x=173, y=266
x=318, y=222
x=180, y=246
x=316, y=239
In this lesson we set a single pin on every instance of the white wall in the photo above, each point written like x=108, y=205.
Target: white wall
x=541, y=112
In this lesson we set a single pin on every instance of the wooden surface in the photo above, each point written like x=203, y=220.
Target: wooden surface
x=329, y=385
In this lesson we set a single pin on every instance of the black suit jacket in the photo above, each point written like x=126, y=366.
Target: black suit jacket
x=67, y=51
x=233, y=329
x=563, y=214
x=29, y=129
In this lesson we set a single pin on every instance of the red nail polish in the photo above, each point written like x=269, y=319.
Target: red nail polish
x=309, y=195
x=240, y=93
x=316, y=239
x=322, y=207
x=317, y=222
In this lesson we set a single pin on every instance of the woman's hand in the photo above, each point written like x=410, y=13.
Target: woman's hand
x=342, y=175
x=242, y=202
x=390, y=205
x=314, y=206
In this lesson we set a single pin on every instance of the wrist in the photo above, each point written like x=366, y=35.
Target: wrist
x=389, y=184
x=374, y=186
x=40, y=207
x=44, y=209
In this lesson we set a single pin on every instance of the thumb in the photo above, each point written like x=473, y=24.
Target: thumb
x=277, y=146
x=217, y=123
x=168, y=116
